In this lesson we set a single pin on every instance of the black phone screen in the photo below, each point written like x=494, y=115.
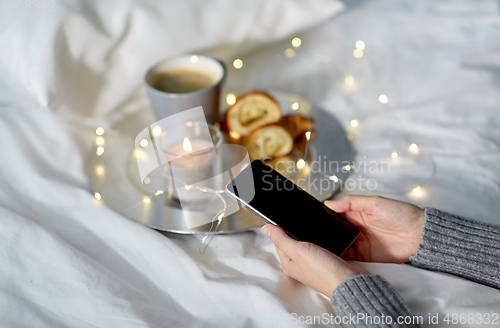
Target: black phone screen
x=301, y=215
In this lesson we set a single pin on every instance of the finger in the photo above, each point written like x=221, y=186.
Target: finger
x=350, y=208
x=348, y=204
x=350, y=254
x=280, y=239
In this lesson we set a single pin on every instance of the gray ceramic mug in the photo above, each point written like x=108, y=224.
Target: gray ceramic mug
x=165, y=104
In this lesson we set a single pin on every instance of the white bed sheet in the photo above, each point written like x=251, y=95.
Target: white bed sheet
x=67, y=260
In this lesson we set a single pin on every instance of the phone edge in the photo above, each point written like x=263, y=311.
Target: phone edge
x=250, y=208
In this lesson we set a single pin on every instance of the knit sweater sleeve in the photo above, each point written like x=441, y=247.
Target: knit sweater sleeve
x=449, y=243
x=459, y=246
x=369, y=301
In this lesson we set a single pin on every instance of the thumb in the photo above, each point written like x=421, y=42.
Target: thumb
x=350, y=203
x=280, y=239
x=339, y=205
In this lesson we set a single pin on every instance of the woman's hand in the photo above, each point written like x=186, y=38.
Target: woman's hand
x=390, y=229
x=310, y=264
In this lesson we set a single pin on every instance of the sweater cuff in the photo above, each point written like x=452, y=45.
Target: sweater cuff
x=459, y=246
x=372, y=299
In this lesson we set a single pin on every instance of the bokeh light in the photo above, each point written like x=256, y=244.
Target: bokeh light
x=383, y=99
x=358, y=53
x=296, y=42
x=238, y=63
x=360, y=45
x=349, y=80
x=289, y=52
x=230, y=99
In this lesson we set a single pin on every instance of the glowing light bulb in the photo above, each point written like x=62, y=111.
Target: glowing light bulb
x=413, y=148
x=295, y=106
x=360, y=45
x=147, y=200
x=289, y=52
x=235, y=134
x=99, y=141
x=383, y=99
x=349, y=80
x=187, y=187
x=300, y=164
x=186, y=145
x=394, y=154
x=354, y=123
x=296, y=42
x=99, y=170
x=230, y=99
x=97, y=196
x=358, y=53
x=99, y=131
x=347, y=167
x=99, y=151
x=144, y=143
x=238, y=63
x=334, y=178
x=417, y=191
x=140, y=154
x=157, y=130
x=308, y=135
x=159, y=192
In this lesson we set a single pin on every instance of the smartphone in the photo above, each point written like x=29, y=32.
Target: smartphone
x=277, y=200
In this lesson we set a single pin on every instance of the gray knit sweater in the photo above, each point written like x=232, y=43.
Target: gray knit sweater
x=450, y=244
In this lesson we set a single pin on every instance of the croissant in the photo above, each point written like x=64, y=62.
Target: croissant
x=269, y=141
x=251, y=111
x=297, y=125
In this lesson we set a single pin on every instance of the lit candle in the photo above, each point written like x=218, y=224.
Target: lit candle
x=192, y=162
x=189, y=153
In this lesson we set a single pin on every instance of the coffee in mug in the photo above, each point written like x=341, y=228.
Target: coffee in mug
x=185, y=82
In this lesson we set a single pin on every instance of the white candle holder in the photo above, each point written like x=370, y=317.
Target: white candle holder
x=190, y=152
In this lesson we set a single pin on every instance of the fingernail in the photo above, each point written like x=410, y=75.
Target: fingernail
x=265, y=231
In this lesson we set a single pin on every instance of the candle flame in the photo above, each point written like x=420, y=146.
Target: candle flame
x=186, y=145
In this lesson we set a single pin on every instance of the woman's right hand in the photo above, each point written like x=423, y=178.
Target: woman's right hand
x=390, y=229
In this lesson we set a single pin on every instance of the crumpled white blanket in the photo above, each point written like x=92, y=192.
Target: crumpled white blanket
x=67, y=260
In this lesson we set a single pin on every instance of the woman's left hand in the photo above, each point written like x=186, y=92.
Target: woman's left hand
x=310, y=264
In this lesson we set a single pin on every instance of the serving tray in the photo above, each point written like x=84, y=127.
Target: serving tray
x=114, y=174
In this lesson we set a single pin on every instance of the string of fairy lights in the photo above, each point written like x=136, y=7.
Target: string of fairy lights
x=355, y=124
x=349, y=80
